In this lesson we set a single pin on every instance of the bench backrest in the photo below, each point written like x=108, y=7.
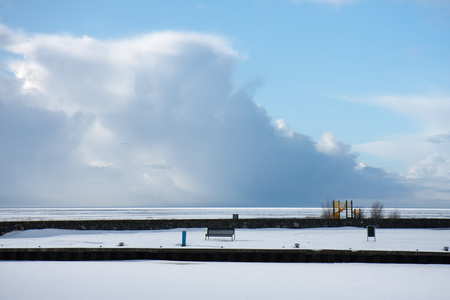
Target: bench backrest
x=220, y=231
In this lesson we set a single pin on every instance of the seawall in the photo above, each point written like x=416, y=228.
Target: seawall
x=236, y=223
x=225, y=255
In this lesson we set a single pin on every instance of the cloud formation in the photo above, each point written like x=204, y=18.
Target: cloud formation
x=425, y=153
x=157, y=120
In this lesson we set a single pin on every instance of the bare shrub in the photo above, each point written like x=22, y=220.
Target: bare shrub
x=362, y=213
x=327, y=210
x=395, y=214
x=376, y=212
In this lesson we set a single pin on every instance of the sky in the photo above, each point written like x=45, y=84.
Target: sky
x=213, y=103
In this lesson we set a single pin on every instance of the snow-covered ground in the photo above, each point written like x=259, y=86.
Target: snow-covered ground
x=30, y=214
x=220, y=280
x=309, y=238
x=207, y=280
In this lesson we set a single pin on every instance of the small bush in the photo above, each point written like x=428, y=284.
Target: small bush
x=376, y=212
x=395, y=214
x=362, y=213
x=327, y=210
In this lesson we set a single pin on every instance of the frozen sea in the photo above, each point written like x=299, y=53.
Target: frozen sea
x=34, y=214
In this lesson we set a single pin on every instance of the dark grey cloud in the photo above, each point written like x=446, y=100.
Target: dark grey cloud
x=37, y=153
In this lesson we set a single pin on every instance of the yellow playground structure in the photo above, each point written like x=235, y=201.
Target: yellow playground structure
x=339, y=207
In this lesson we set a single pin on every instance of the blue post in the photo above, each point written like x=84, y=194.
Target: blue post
x=183, y=241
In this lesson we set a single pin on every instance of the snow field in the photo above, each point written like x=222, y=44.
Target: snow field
x=219, y=280
x=344, y=238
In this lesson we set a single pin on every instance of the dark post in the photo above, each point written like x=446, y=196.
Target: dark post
x=371, y=232
x=346, y=209
x=235, y=220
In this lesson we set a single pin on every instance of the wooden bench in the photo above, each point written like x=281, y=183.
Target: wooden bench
x=220, y=232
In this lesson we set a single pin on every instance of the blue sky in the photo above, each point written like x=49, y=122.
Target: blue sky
x=358, y=88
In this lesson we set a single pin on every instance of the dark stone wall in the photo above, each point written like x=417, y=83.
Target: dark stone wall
x=226, y=255
x=237, y=223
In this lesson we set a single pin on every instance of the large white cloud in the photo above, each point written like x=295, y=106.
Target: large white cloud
x=157, y=120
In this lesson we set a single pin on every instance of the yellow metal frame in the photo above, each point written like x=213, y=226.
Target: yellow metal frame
x=337, y=209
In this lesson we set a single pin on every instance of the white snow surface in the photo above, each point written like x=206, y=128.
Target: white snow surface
x=269, y=238
x=220, y=280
